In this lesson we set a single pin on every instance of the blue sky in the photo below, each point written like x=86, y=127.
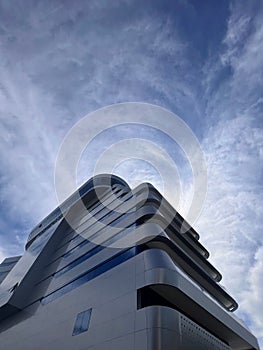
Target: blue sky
x=60, y=60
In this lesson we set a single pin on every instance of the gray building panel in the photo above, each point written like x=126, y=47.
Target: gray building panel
x=136, y=278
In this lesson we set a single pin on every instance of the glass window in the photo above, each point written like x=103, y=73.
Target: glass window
x=93, y=251
x=92, y=273
x=100, y=213
x=82, y=322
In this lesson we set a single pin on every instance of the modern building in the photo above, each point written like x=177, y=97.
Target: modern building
x=114, y=268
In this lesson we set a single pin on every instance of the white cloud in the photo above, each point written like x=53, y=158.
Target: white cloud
x=28, y=148
x=253, y=302
x=54, y=69
x=231, y=223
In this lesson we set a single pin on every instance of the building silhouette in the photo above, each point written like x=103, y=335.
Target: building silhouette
x=115, y=268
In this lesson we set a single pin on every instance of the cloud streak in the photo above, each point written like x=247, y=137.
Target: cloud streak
x=231, y=223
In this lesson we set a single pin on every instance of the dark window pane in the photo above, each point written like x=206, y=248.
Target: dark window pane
x=93, y=273
x=93, y=251
x=82, y=322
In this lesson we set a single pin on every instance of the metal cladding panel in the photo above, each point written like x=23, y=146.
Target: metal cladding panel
x=112, y=297
x=115, y=318
x=136, y=265
x=106, y=181
x=173, y=331
x=7, y=265
x=16, y=289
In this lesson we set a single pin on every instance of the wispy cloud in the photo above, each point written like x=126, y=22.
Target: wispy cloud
x=59, y=64
x=231, y=223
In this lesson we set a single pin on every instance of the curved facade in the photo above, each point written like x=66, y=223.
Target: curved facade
x=117, y=272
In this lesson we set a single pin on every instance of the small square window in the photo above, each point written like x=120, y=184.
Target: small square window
x=82, y=322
